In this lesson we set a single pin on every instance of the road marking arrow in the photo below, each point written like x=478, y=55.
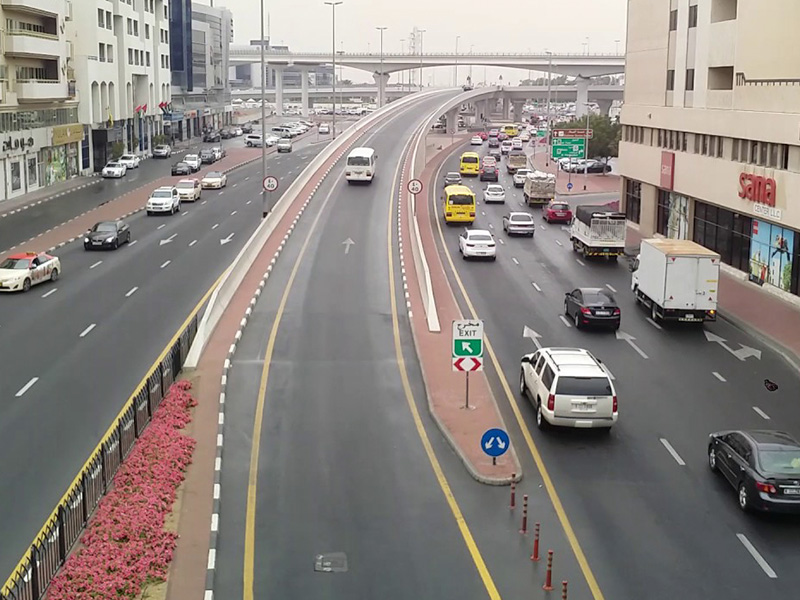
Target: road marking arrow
x=627, y=337
x=742, y=353
x=529, y=333
x=347, y=243
x=168, y=240
x=225, y=240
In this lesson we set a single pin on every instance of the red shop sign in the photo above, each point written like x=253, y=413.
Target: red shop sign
x=757, y=188
x=667, y=170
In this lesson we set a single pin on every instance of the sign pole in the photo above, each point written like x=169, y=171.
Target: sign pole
x=466, y=405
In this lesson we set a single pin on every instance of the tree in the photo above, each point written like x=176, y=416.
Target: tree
x=604, y=142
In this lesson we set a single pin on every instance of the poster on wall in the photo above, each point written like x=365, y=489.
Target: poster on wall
x=678, y=224
x=771, y=255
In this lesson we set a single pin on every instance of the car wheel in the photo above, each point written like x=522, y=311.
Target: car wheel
x=116, y=243
x=653, y=311
x=577, y=320
x=566, y=309
x=178, y=208
x=523, y=387
x=149, y=213
x=128, y=238
x=712, y=459
x=26, y=285
x=744, y=499
x=494, y=258
x=541, y=422
x=54, y=275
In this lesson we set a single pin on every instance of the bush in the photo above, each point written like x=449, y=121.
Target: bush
x=160, y=139
x=125, y=545
x=117, y=150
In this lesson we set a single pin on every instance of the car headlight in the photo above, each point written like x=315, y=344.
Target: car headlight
x=86, y=240
x=110, y=239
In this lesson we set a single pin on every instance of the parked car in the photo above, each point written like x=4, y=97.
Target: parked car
x=247, y=128
x=207, y=156
x=162, y=151
x=193, y=160
x=592, y=307
x=131, y=161
x=519, y=223
x=107, y=234
x=324, y=128
x=252, y=140
x=226, y=133
x=181, y=168
x=212, y=136
x=114, y=169
x=219, y=151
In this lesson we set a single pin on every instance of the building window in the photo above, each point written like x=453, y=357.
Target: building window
x=672, y=215
x=101, y=18
x=683, y=141
x=108, y=20
x=130, y=26
x=110, y=53
x=136, y=28
x=673, y=20
x=633, y=200
x=725, y=232
x=693, y=15
x=147, y=31
x=101, y=53
x=130, y=56
x=670, y=80
x=147, y=55
x=689, y=80
x=735, y=149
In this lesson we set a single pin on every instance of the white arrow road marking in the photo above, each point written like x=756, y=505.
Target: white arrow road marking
x=761, y=413
x=654, y=324
x=131, y=292
x=168, y=240
x=225, y=240
x=26, y=387
x=564, y=320
x=718, y=376
x=742, y=353
x=672, y=451
x=611, y=288
x=627, y=337
x=86, y=331
x=529, y=333
x=50, y=293
x=165, y=264
x=758, y=558
x=97, y=264
x=347, y=243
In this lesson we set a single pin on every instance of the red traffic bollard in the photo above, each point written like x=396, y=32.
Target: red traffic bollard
x=563, y=590
x=524, y=514
x=548, y=581
x=513, y=492
x=535, y=555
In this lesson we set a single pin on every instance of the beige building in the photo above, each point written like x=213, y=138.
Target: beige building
x=710, y=147
x=40, y=135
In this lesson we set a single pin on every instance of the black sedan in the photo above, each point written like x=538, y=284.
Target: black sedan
x=207, y=156
x=227, y=134
x=592, y=306
x=762, y=466
x=494, y=142
x=452, y=179
x=595, y=166
x=181, y=168
x=107, y=234
x=212, y=136
x=247, y=128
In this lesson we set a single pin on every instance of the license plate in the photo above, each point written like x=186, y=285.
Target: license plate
x=603, y=313
x=561, y=214
x=690, y=316
x=606, y=250
x=791, y=491
x=97, y=243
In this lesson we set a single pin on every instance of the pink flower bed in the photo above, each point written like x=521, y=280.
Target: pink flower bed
x=125, y=544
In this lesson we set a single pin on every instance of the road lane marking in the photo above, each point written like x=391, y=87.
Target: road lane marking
x=761, y=413
x=131, y=243
x=165, y=264
x=234, y=185
x=543, y=227
x=131, y=291
x=536, y=287
x=491, y=226
x=757, y=556
x=97, y=264
x=233, y=213
x=718, y=376
x=215, y=226
x=203, y=202
x=611, y=288
x=192, y=243
x=564, y=320
x=86, y=331
x=654, y=324
x=516, y=262
x=502, y=242
x=559, y=243
x=580, y=262
x=26, y=387
x=248, y=202
x=672, y=451
x=50, y=293
x=161, y=226
x=483, y=214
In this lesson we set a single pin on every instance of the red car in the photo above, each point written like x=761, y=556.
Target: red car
x=502, y=136
x=483, y=135
x=557, y=212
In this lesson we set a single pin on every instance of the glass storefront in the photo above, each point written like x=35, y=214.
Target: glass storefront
x=774, y=256
x=725, y=232
x=673, y=215
x=633, y=200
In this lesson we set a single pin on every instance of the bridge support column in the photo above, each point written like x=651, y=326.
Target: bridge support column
x=506, y=108
x=605, y=106
x=380, y=82
x=256, y=75
x=278, y=91
x=518, y=111
x=304, y=92
x=582, y=83
x=452, y=121
x=481, y=112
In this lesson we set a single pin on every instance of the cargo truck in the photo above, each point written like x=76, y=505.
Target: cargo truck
x=677, y=280
x=539, y=188
x=517, y=159
x=598, y=231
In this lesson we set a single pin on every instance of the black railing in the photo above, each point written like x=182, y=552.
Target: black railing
x=50, y=548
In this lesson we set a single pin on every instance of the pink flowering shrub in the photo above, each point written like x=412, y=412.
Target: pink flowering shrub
x=125, y=545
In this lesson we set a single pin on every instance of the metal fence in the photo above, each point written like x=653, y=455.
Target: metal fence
x=51, y=546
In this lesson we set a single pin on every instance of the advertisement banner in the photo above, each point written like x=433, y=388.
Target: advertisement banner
x=771, y=255
x=667, y=170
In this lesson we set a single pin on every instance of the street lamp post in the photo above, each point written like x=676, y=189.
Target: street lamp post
x=455, y=74
x=381, y=98
x=402, y=73
x=471, y=46
x=586, y=151
x=549, y=87
x=265, y=206
x=421, y=31
x=333, y=6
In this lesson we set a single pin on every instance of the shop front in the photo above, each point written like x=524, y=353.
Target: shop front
x=20, y=155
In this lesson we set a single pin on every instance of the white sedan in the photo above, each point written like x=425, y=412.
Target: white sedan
x=525, y=136
x=131, y=161
x=324, y=128
x=214, y=180
x=114, y=169
x=494, y=192
x=477, y=243
x=476, y=141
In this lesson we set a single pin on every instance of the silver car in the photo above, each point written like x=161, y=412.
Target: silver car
x=519, y=223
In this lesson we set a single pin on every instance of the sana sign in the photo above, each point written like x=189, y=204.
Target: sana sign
x=757, y=188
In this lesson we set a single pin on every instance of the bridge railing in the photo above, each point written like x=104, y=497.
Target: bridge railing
x=255, y=50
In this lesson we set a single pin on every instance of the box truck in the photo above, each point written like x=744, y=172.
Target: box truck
x=598, y=231
x=539, y=188
x=677, y=280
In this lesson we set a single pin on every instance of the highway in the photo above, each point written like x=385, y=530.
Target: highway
x=81, y=345
x=652, y=519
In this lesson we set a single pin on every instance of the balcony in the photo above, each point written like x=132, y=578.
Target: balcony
x=30, y=44
x=39, y=7
x=41, y=90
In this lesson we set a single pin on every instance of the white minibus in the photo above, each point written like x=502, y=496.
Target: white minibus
x=360, y=165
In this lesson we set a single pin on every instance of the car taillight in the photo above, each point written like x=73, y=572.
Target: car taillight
x=347, y=174
x=472, y=214
x=585, y=310
x=767, y=488
x=551, y=402
x=614, y=404
x=470, y=245
x=616, y=312
x=448, y=214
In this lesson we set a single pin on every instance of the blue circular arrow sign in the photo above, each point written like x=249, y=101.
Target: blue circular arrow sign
x=569, y=185
x=495, y=442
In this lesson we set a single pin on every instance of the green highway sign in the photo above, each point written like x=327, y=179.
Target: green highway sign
x=569, y=147
x=468, y=339
x=541, y=133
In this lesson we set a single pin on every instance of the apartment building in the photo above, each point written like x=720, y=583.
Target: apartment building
x=40, y=135
x=122, y=69
x=710, y=148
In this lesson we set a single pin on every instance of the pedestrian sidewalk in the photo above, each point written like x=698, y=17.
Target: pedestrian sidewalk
x=758, y=310
x=14, y=205
x=581, y=184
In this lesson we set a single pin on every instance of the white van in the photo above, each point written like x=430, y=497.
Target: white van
x=360, y=165
x=253, y=140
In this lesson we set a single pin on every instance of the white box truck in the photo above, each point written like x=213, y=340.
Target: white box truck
x=539, y=188
x=677, y=280
x=598, y=231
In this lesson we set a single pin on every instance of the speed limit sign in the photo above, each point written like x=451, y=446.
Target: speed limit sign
x=415, y=186
x=270, y=183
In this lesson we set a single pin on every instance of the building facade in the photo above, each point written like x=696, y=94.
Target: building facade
x=247, y=76
x=122, y=68
x=40, y=135
x=710, y=148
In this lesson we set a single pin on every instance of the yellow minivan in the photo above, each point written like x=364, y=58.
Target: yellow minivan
x=470, y=164
x=510, y=130
x=459, y=204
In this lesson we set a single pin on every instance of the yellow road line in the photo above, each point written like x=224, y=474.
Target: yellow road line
x=572, y=538
x=474, y=552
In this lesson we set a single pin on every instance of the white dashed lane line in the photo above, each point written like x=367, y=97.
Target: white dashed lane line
x=133, y=242
x=203, y=202
x=131, y=292
x=580, y=262
x=50, y=293
x=86, y=331
x=565, y=321
x=761, y=413
x=757, y=556
x=97, y=264
x=233, y=213
x=718, y=376
x=215, y=226
x=502, y=242
x=161, y=226
x=192, y=243
x=165, y=264
x=26, y=387
x=672, y=452
x=611, y=288
x=559, y=243
x=516, y=262
x=536, y=286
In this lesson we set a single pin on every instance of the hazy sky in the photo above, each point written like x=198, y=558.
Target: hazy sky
x=505, y=26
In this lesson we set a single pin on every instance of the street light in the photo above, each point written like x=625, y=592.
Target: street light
x=381, y=85
x=549, y=87
x=586, y=150
x=333, y=6
x=471, y=46
x=421, y=31
x=402, y=73
x=265, y=207
x=455, y=83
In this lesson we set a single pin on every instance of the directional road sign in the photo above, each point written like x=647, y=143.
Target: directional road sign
x=569, y=148
x=414, y=186
x=467, y=344
x=572, y=133
x=569, y=185
x=270, y=183
x=495, y=442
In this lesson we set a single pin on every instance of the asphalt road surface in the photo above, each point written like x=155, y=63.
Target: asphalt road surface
x=81, y=345
x=653, y=520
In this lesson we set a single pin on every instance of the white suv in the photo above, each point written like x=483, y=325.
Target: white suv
x=568, y=388
x=164, y=200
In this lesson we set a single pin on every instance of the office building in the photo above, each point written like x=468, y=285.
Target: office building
x=121, y=56
x=40, y=135
x=710, y=148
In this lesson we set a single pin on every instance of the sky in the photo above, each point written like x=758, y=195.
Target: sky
x=507, y=26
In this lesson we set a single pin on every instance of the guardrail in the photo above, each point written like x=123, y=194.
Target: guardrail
x=61, y=530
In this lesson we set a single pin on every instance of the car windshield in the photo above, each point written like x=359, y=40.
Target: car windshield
x=181, y=165
x=494, y=189
x=15, y=263
x=358, y=161
x=461, y=199
x=190, y=157
x=162, y=194
x=104, y=227
x=469, y=159
x=161, y=147
x=185, y=185
x=559, y=206
x=583, y=386
x=127, y=157
x=781, y=462
x=522, y=172
x=597, y=298
x=213, y=175
x=112, y=165
x=480, y=237
x=521, y=218
x=453, y=176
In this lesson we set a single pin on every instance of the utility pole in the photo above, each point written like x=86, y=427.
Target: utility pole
x=381, y=84
x=549, y=86
x=266, y=195
x=455, y=74
x=421, y=31
x=333, y=6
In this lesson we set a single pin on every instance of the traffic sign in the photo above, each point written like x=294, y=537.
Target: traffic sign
x=468, y=338
x=467, y=364
x=541, y=133
x=569, y=185
x=414, y=186
x=569, y=148
x=495, y=442
x=270, y=183
x=572, y=133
